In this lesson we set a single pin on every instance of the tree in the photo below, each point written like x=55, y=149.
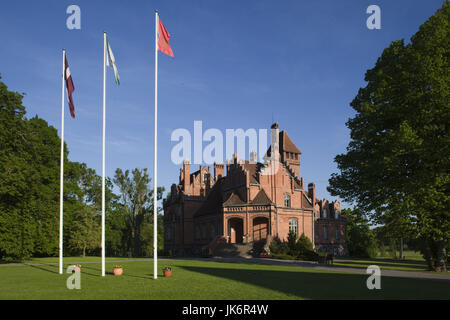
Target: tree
x=136, y=199
x=396, y=164
x=84, y=231
x=29, y=174
x=361, y=241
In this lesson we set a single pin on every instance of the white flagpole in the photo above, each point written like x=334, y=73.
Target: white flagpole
x=103, y=153
x=61, y=183
x=155, y=190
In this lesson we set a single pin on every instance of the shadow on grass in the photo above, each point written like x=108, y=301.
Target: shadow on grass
x=322, y=285
x=47, y=268
x=125, y=274
x=385, y=260
x=381, y=264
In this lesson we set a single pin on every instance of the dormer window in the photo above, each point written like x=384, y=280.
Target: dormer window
x=287, y=200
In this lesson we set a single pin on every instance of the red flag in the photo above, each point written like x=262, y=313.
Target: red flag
x=163, y=40
x=69, y=87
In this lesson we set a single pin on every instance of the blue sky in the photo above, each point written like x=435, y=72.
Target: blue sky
x=238, y=64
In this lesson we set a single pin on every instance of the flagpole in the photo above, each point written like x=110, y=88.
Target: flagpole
x=103, y=154
x=61, y=183
x=155, y=190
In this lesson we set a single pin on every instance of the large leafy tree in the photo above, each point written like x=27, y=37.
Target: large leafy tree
x=397, y=163
x=136, y=199
x=29, y=173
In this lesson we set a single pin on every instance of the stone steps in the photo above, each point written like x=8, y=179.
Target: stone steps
x=233, y=250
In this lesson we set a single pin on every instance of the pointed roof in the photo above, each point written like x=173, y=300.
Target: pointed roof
x=233, y=199
x=286, y=143
x=261, y=198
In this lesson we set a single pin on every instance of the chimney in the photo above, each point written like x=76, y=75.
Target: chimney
x=274, y=142
x=187, y=177
x=312, y=192
x=302, y=183
x=253, y=157
x=219, y=171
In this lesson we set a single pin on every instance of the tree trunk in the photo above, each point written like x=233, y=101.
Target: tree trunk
x=428, y=256
x=137, y=242
x=84, y=251
x=401, y=248
x=441, y=256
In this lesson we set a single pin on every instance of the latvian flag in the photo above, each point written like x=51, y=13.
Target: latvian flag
x=69, y=87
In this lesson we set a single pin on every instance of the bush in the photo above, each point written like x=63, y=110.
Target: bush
x=301, y=249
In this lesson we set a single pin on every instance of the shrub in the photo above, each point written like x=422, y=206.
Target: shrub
x=301, y=249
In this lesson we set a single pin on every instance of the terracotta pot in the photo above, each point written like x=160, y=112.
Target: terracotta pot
x=118, y=271
x=167, y=273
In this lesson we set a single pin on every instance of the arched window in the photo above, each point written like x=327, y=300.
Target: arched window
x=325, y=213
x=293, y=226
x=336, y=214
x=287, y=200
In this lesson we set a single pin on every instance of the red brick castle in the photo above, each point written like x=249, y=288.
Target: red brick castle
x=252, y=202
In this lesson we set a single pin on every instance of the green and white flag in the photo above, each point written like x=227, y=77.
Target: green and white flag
x=111, y=62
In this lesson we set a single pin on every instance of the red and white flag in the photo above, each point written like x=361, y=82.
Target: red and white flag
x=69, y=87
x=163, y=40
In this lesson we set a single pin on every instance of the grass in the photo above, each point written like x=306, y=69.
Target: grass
x=413, y=262
x=200, y=279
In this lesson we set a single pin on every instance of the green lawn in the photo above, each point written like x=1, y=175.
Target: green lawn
x=192, y=279
x=412, y=262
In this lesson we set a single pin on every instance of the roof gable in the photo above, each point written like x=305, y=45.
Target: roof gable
x=286, y=143
x=261, y=198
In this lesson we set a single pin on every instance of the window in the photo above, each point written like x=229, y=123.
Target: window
x=205, y=178
x=212, y=231
x=197, y=232
x=337, y=233
x=336, y=214
x=287, y=155
x=293, y=226
x=325, y=214
x=287, y=200
x=325, y=233
x=203, y=231
x=169, y=233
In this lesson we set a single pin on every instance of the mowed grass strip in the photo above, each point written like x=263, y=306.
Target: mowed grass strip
x=197, y=279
